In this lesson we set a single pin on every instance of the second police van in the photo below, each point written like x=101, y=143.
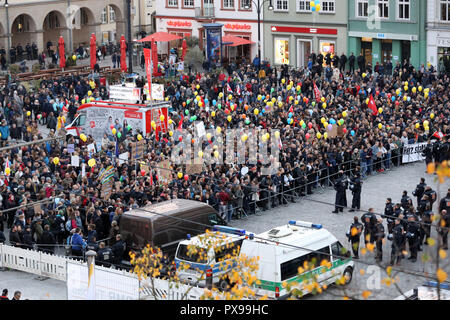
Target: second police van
x=281, y=251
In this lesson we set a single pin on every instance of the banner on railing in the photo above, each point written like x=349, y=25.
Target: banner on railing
x=413, y=152
x=109, y=284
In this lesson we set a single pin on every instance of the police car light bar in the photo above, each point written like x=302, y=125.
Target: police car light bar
x=434, y=284
x=239, y=232
x=305, y=224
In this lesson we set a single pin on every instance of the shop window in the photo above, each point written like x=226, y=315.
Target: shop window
x=362, y=8
x=281, y=51
x=445, y=10
x=303, y=6
x=403, y=9
x=228, y=4
x=383, y=9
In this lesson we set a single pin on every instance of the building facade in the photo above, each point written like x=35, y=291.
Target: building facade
x=187, y=18
x=292, y=31
x=384, y=30
x=438, y=32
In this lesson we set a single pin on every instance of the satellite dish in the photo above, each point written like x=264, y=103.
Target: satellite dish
x=244, y=171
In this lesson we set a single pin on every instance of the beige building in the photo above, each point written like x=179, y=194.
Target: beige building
x=41, y=21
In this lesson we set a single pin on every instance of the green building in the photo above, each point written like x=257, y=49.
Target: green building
x=384, y=30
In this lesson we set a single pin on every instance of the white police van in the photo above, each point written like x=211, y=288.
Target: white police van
x=284, y=249
x=210, y=256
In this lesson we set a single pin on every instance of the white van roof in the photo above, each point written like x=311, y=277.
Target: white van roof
x=222, y=238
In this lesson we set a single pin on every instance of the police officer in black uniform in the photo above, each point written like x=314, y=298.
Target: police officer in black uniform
x=431, y=195
x=12, y=55
x=369, y=221
x=356, y=187
x=398, y=242
x=28, y=50
x=340, y=185
x=428, y=153
x=34, y=50
x=423, y=205
x=412, y=235
x=354, y=236
x=104, y=255
x=19, y=52
x=444, y=204
x=443, y=229
x=420, y=189
x=389, y=214
x=405, y=201
x=379, y=236
x=425, y=226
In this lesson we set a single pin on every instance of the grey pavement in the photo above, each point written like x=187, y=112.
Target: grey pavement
x=375, y=190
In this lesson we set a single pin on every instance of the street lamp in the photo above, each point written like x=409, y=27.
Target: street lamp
x=8, y=33
x=259, y=5
x=130, y=41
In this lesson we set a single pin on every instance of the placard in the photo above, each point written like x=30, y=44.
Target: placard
x=91, y=147
x=124, y=93
x=107, y=190
x=164, y=172
x=123, y=157
x=70, y=148
x=157, y=92
x=334, y=132
x=75, y=161
x=194, y=168
x=200, y=129
x=137, y=150
x=37, y=209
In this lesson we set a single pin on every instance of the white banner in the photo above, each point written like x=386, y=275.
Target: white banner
x=413, y=152
x=157, y=92
x=124, y=93
x=109, y=284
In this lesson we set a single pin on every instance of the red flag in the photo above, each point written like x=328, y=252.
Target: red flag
x=93, y=51
x=317, y=93
x=238, y=90
x=229, y=88
x=148, y=68
x=62, y=53
x=372, y=106
x=123, y=54
x=155, y=57
x=180, y=124
x=439, y=135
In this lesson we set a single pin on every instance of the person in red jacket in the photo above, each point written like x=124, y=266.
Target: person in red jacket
x=224, y=198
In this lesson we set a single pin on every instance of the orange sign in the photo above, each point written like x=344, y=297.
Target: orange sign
x=238, y=26
x=177, y=23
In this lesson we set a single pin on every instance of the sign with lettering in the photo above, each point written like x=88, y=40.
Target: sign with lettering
x=137, y=150
x=178, y=23
x=164, y=172
x=237, y=26
x=413, y=152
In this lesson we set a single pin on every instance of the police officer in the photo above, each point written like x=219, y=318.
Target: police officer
x=92, y=244
x=398, y=241
x=340, y=185
x=379, y=236
x=423, y=205
x=19, y=52
x=420, y=189
x=369, y=220
x=443, y=228
x=412, y=235
x=428, y=153
x=444, y=204
x=354, y=236
x=431, y=195
x=28, y=50
x=34, y=50
x=405, y=201
x=104, y=255
x=355, y=187
x=118, y=250
x=425, y=226
x=389, y=214
x=12, y=55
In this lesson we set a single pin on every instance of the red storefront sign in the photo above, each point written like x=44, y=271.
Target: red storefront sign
x=177, y=23
x=133, y=115
x=238, y=26
x=304, y=30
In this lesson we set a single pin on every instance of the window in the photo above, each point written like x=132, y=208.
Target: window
x=445, y=10
x=303, y=6
x=383, y=9
x=282, y=5
x=244, y=4
x=228, y=4
x=172, y=3
x=289, y=269
x=338, y=250
x=188, y=3
x=403, y=9
x=53, y=21
x=328, y=6
x=229, y=251
x=104, y=17
x=362, y=8
x=112, y=14
x=84, y=17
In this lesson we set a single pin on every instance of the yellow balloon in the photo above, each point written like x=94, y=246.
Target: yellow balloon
x=139, y=137
x=426, y=123
x=216, y=154
x=380, y=126
x=114, y=130
x=406, y=88
x=283, y=81
x=219, y=130
x=229, y=118
x=432, y=115
x=200, y=154
x=200, y=104
x=298, y=88
x=220, y=94
x=153, y=124
x=230, y=97
x=426, y=95
x=180, y=175
x=256, y=111
x=325, y=124
x=195, y=93
x=380, y=110
x=244, y=138
x=324, y=105
x=161, y=117
x=83, y=137
x=325, y=135
x=417, y=125
x=364, y=75
x=83, y=101
x=8, y=170
x=213, y=114
x=170, y=121
x=198, y=98
x=277, y=134
x=312, y=4
x=171, y=133
x=344, y=114
x=405, y=98
x=296, y=102
x=322, y=99
x=91, y=162
x=302, y=122
x=198, y=86
x=414, y=89
x=318, y=135
x=318, y=7
x=367, y=101
x=55, y=160
x=74, y=57
x=397, y=91
x=323, y=120
x=420, y=88
x=89, y=93
x=28, y=113
x=208, y=136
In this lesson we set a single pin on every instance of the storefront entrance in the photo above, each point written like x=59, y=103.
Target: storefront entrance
x=406, y=50
x=386, y=51
x=303, y=52
x=281, y=51
x=366, y=50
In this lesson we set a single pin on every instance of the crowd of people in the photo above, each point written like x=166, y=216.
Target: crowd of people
x=411, y=105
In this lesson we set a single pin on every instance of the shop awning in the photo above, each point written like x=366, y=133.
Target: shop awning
x=233, y=41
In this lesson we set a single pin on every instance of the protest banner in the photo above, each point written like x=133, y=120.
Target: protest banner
x=413, y=152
